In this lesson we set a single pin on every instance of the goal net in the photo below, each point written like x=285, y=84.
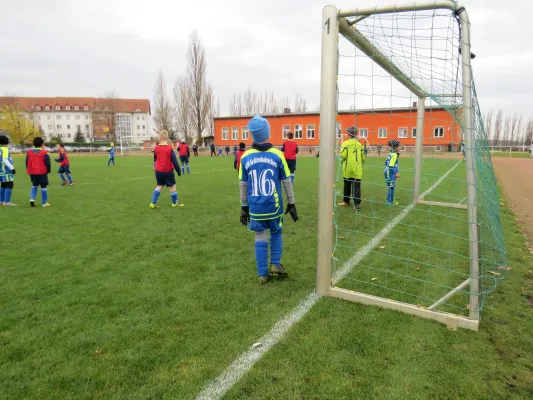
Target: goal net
x=425, y=237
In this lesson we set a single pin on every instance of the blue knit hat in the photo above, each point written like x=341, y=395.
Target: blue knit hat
x=259, y=128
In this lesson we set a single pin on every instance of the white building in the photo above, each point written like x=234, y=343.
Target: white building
x=63, y=116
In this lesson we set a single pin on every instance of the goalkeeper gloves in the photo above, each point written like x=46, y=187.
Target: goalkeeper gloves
x=245, y=215
x=13, y=171
x=291, y=209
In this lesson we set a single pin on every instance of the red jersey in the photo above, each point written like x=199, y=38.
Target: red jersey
x=183, y=149
x=63, y=157
x=290, y=149
x=165, y=158
x=238, y=157
x=36, y=162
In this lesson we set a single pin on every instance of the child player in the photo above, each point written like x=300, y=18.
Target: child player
x=392, y=165
x=38, y=167
x=262, y=172
x=290, y=149
x=7, y=173
x=238, y=156
x=64, y=166
x=111, y=151
x=165, y=163
x=185, y=153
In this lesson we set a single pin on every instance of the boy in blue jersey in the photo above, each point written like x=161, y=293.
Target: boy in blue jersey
x=111, y=151
x=262, y=172
x=392, y=166
x=7, y=173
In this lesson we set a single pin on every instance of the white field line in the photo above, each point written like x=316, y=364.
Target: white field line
x=149, y=177
x=218, y=387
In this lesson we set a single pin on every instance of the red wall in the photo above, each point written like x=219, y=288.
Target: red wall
x=371, y=121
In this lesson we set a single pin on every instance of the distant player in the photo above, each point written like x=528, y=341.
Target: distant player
x=463, y=150
x=7, y=173
x=365, y=149
x=195, y=150
x=38, y=167
x=263, y=171
x=185, y=153
x=235, y=148
x=392, y=167
x=290, y=149
x=238, y=156
x=111, y=151
x=219, y=151
x=227, y=151
x=64, y=166
x=353, y=158
x=165, y=163
x=213, y=148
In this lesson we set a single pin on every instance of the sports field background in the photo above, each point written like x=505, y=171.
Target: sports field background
x=102, y=297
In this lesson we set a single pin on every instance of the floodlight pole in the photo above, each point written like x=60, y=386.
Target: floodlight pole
x=418, y=149
x=328, y=133
x=473, y=234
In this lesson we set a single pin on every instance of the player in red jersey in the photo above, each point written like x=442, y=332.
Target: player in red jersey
x=38, y=167
x=290, y=149
x=185, y=153
x=64, y=166
x=165, y=163
x=238, y=156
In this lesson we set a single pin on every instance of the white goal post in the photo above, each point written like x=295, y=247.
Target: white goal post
x=344, y=22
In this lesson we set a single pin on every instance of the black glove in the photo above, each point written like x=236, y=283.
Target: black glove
x=245, y=215
x=179, y=171
x=13, y=171
x=291, y=209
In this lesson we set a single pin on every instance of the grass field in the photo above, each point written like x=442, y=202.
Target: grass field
x=102, y=297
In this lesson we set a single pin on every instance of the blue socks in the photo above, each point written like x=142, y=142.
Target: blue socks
x=174, y=197
x=292, y=179
x=33, y=193
x=390, y=195
x=182, y=170
x=188, y=169
x=276, y=246
x=69, y=179
x=261, y=257
x=7, y=195
x=44, y=193
x=2, y=195
x=155, y=196
x=63, y=177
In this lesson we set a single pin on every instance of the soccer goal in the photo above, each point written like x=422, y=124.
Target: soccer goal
x=436, y=250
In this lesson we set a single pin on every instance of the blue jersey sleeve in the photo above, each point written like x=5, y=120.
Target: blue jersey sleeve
x=47, y=163
x=174, y=160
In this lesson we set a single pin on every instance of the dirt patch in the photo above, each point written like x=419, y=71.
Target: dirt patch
x=515, y=175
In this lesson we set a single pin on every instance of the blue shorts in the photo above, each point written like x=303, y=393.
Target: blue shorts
x=391, y=180
x=7, y=178
x=184, y=159
x=292, y=165
x=165, y=178
x=274, y=225
x=39, y=180
x=64, y=169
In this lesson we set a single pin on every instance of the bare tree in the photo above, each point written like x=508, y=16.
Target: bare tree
x=498, y=128
x=105, y=116
x=183, y=110
x=235, y=105
x=214, y=111
x=506, y=138
x=200, y=95
x=528, y=132
x=488, y=124
x=284, y=104
x=273, y=105
x=250, y=101
x=163, y=113
x=300, y=104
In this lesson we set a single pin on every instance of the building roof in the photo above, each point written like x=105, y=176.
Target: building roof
x=30, y=104
x=360, y=111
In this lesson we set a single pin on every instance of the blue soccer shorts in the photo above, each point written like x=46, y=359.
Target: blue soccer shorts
x=165, y=178
x=273, y=225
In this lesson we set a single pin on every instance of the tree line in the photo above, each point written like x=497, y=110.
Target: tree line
x=250, y=103
x=511, y=130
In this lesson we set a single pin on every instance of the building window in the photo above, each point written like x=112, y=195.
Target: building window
x=49, y=117
x=50, y=127
x=363, y=133
x=68, y=135
x=78, y=127
x=138, y=126
x=402, y=133
x=86, y=108
x=77, y=116
x=60, y=136
x=87, y=127
x=58, y=116
x=38, y=108
x=382, y=133
x=67, y=108
x=144, y=126
x=58, y=126
x=413, y=132
x=76, y=108
x=310, y=131
x=58, y=108
x=123, y=127
x=438, y=131
x=86, y=117
x=68, y=116
x=245, y=133
x=298, y=131
x=68, y=126
x=235, y=133
x=143, y=117
x=47, y=108
x=285, y=129
x=138, y=118
x=225, y=133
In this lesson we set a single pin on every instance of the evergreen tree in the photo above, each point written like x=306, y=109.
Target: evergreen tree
x=79, y=138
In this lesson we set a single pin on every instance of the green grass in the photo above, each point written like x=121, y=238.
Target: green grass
x=103, y=298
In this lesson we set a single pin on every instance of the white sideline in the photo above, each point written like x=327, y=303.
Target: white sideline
x=244, y=363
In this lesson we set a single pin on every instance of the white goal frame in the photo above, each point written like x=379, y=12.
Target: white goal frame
x=334, y=22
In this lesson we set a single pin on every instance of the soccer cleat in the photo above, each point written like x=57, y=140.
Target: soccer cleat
x=357, y=207
x=343, y=204
x=152, y=206
x=178, y=205
x=278, y=270
x=9, y=204
x=46, y=205
x=64, y=184
x=394, y=203
x=264, y=279
x=32, y=203
x=72, y=184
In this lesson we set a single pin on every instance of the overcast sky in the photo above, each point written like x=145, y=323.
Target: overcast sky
x=88, y=48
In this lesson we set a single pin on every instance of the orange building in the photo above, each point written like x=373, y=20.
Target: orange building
x=376, y=127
